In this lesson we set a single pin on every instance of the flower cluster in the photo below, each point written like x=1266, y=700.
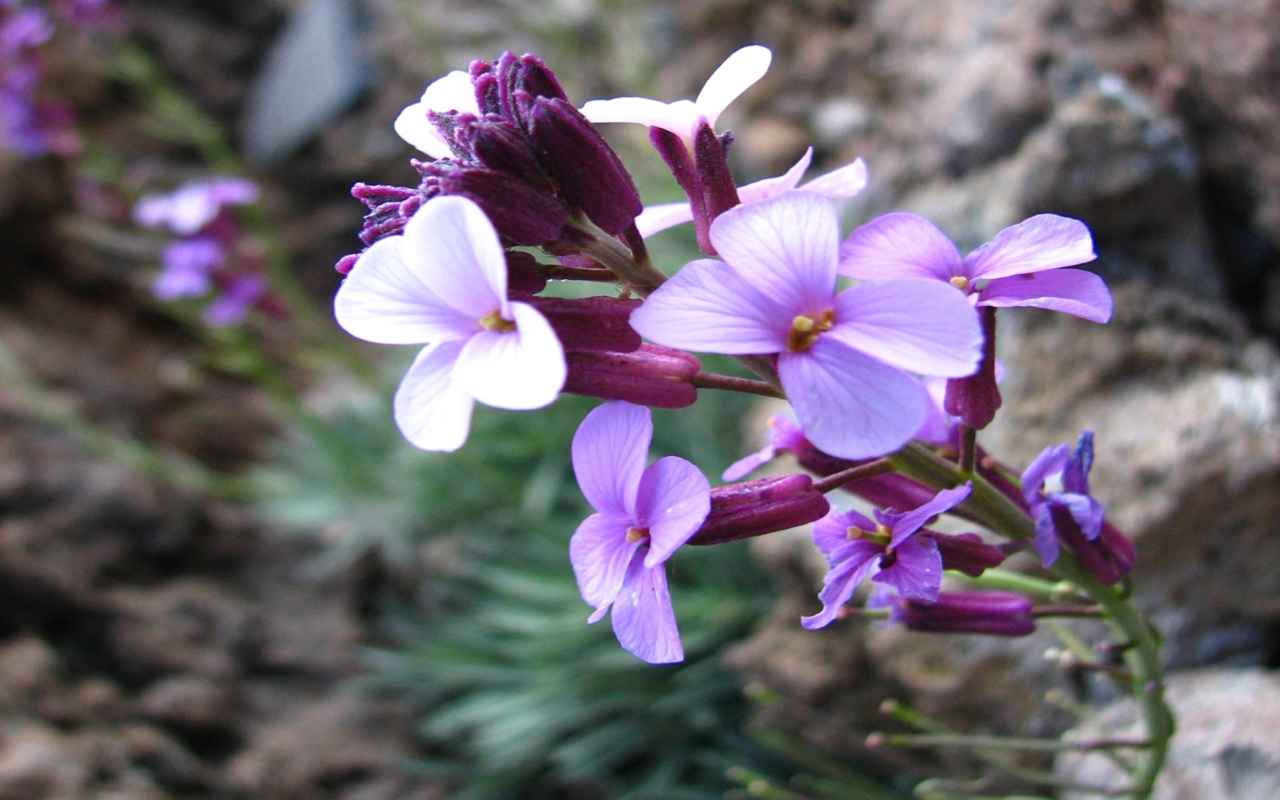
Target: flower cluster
x=31, y=124
x=208, y=257
x=882, y=342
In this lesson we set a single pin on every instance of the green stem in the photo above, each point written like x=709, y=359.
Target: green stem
x=969, y=741
x=1010, y=581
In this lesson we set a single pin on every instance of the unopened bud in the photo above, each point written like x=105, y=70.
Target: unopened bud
x=990, y=613
x=591, y=323
x=976, y=399
x=754, y=508
x=654, y=376
x=967, y=553
x=521, y=213
x=710, y=156
x=524, y=274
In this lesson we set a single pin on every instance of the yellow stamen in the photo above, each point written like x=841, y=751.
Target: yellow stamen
x=494, y=321
x=805, y=330
x=960, y=282
x=637, y=534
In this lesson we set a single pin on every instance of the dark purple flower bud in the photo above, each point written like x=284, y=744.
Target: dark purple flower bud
x=967, y=553
x=521, y=213
x=711, y=158
x=976, y=399
x=991, y=613
x=524, y=274
x=650, y=376
x=1108, y=558
x=671, y=148
x=591, y=323
x=536, y=79
x=346, y=263
x=498, y=145
x=589, y=174
x=754, y=508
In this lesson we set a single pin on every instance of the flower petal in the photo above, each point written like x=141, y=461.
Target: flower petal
x=916, y=571
x=785, y=247
x=842, y=183
x=831, y=534
x=385, y=300
x=899, y=245
x=680, y=117
x=749, y=463
x=841, y=581
x=772, y=187
x=672, y=502
x=520, y=369
x=1050, y=461
x=609, y=451
x=600, y=554
x=453, y=248
x=1086, y=511
x=851, y=405
x=1071, y=291
x=655, y=219
x=431, y=410
x=739, y=72
x=923, y=326
x=453, y=92
x=1046, y=536
x=905, y=524
x=707, y=307
x=1045, y=241
x=643, y=619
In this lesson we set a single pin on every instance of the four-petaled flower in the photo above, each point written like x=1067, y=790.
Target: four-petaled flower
x=1021, y=266
x=888, y=551
x=444, y=282
x=841, y=356
x=739, y=72
x=643, y=515
x=839, y=184
x=1074, y=498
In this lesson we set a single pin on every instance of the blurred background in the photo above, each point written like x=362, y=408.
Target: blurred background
x=224, y=575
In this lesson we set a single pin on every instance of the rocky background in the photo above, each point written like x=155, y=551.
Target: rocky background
x=155, y=643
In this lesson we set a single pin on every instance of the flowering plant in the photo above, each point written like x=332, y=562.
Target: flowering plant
x=890, y=378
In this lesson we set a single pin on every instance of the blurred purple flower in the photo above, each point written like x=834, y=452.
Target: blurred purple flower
x=643, y=515
x=188, y=267
x=194, y=206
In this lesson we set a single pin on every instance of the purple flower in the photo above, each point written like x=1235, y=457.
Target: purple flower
x=643, y=515
x=188, y=267
x=739, y=72
x=889, y=551
x=1073, y=498
x=842, y=357
x=193, y=206
x=839, y=184
x=1021, y=266
x=239, y=294
x=453, y=92
x=444, y=281
x=784, y=437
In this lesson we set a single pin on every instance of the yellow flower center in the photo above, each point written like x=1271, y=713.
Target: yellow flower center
x=806, y=329
x=637, y=534
x=494, y=321
x=960, y=282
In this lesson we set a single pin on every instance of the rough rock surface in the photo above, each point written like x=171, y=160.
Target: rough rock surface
x=1226, y=744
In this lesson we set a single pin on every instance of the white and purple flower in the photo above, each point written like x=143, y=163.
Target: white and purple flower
x=443, y=283
x=1072, y=499
x=643, y=515
x=890, y=551
x=843, y=358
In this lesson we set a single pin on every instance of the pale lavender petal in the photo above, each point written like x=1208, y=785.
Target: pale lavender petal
x=708, y=308
x=233, y=191
x=923, y=326
x=453, y=248
x=1046, y=536
x=739, y=72
x=655, y=219
x=1086, y=511
x=916, y=571
x=831, y=535
x=851, y=405
x=938, y=426
x=430, y=410
x=772, y=187
x=899, y=245
x=385, y=300
x=1071, y=291
x=905, y=524
x=520, y=369
x=1050, y=462
x=673, y=500
x=609, y=451
x=1045, y=241
x=600, y=554
x=680, y=117
x=842, y=183
x=841, y=581
x=749, y=463
x=643, y=619
x=785, y=247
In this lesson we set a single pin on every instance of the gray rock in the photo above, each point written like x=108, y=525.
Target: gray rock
x=1226, y=744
